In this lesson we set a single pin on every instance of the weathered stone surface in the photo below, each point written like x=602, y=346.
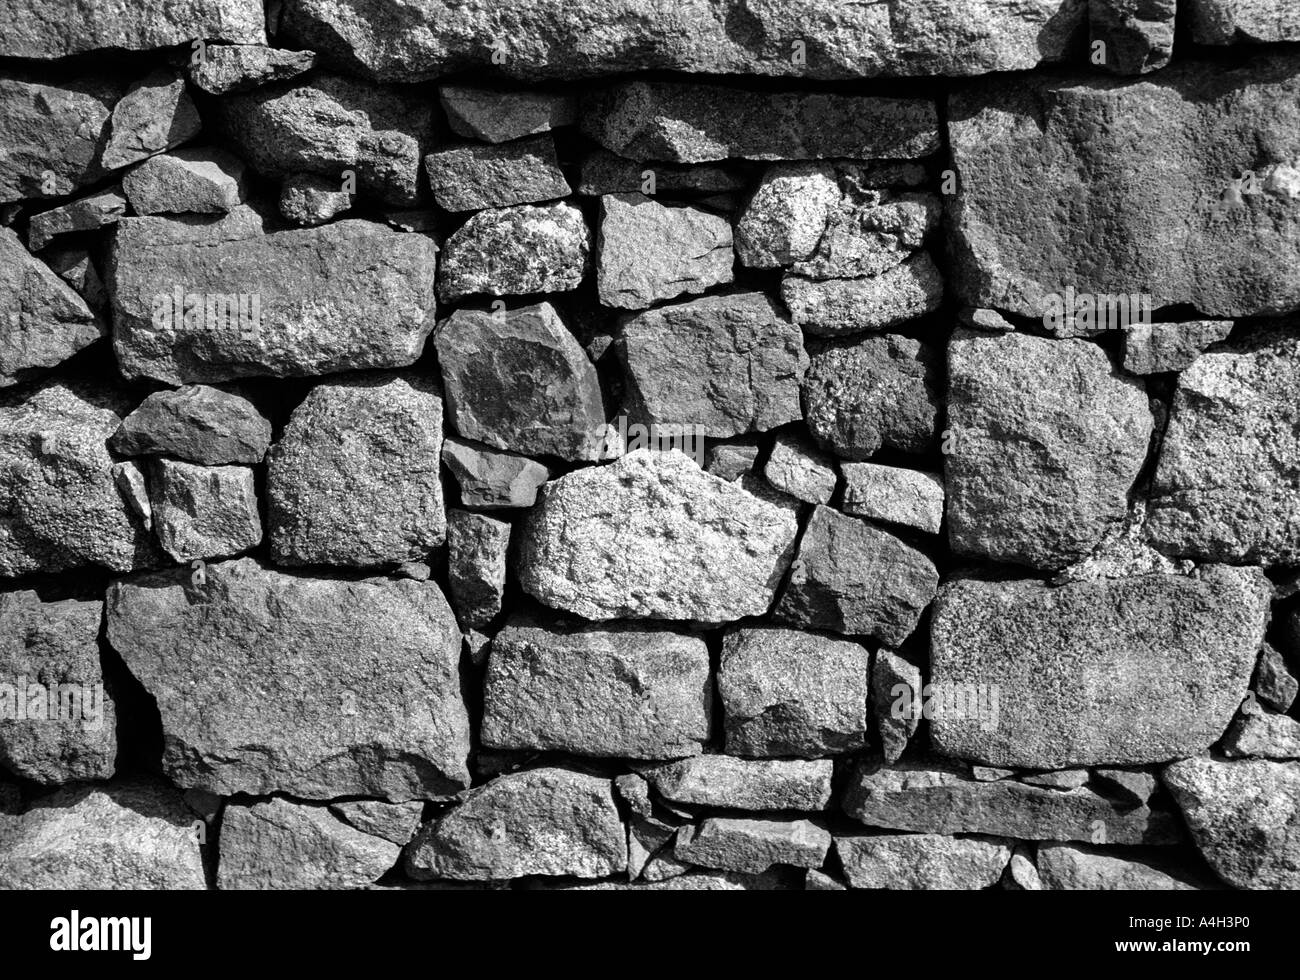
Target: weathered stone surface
x=514, y=251
x=615, y=691
x=1152, y=348
x=279, y=844
x=647, y=251
x=938, y=798
x=1274, y=683
x=203, y=181
x=1188, y=236
x=1138, y=35
x=895, y=691
x=75, y=267
x=489, y=479
x=495, y=116
x=1057, y=779
x=731, y=364
x=56, y=28
x=1083, y=868
x=475, y=176
x=1225, y=488
x=354, y=479
x=203, y=511
x=1048, y=441
x=653, y=536
x=869, y=392
x=332, y=124
x=539, y=822
x=519, y=380
x=59, y=504
x=783, y=220
x=852, y=577
x=990, y=320
x=922, y=861
x=129, y=479
x=817, y=881
x=1262, y=734
x=348, y=296
x=310, y=200
x=1136, y=670
x=893, y=494
x=84, y=214
x=127, y=836
x=731, y=460
x=832, y=307
x=1130, y=785
x=710, y=881
x=785, y=692
x=1244, y=817
x=745, y=784
x=44, y=322
x=795, y=466
x=197, y=423
x=227, y=68
x=1235, y=21
x=752, y=845
x=476, y=565
x=155, y=114
x=395, y=822
x=67, y=729
x=609, y=173
x=358, y=689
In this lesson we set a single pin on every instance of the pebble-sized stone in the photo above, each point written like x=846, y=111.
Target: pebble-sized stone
x=1134, y=786
x=395, y=822
x=205, y=180
x=476, y=566
x=1274, y=683
x=922, y=861
x=616, y=691
x=833, y=307
x=797, y=467
x=745, y=784
x=515, y=251
x=196, y=423
x=1057, y=779
x=1260, y=733
x=474, y=176
x=1137, y=36
x=130, y=481
x=817, y=881
x=75, y=267
x=496, y=116
x=537, y=822
x=358, y=682
x=203, y=511
x=752, y=844
x=490, y=479
x=634, y=791
x=355, y=477
x=647, y=251
x=731, y=460
x=310, y=200
x=1022, y=871
x=88, y=213
x=608, y=173
x=154, y=115
x=896, y=694
x=1154, y=348
x=852, y=577
x=990, y=320
x=56, y=28
x=1078, y=867
x=790, y=693
x=227, y=68
x=784, y=218
x=990, y=774
x=894, y=495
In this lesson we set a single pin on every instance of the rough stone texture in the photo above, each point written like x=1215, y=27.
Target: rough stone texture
x=789, y=693
x=495, y=116
x=354, y=479
x=489, y=479
x=1181, y=230
x=57, y=28
x=203, y=511
x=653, y=536
x=84, y=214
x=128, y=836
x=1138, y=34
x=1022, y=872
x=619, y=691
x=894, y=495
x=519, y=380
x=155, y=114
x=477, y=546
x=202, y=181
x=1263, y=734
x=358, y=692
x=43, y=321
x=1080, y=868
x=609, y=173
x=395, y=822
x=197, y=423
x=895, y=690
x=513, y=251
x=798, y=468
x=745, y=784
x=731, y=460
x=279, y=844
x=1133, y=786
x=348, y=296
x=833, y=307
x=474, y=176
x=540, y=822
x=729, y=364
x=852, y=577
x=1244, y=817
x=922, y=861
x=68, y=730
x=310, y=200
x=1235, y=21
x=1125, y=671
x=1274, y=683
x=129, y=479
x=1048, y=441
x=1152, y=348
x=752, y=845
x=227, y=68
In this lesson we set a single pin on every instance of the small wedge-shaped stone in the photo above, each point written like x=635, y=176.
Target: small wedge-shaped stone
x=156, y=114
x=1152, y=348
x=477, y=546
x=495, y=116
x=197, y=181
x=653, y=536
x=490, y=479
x=395, y=822
x=895, y=690
x=895, y=495
x=922, y=861
x=1077, y=867
x=57, y=28
x=472, y=177
x=84, y=214
x=1262, y=734
x=358, y=689
x=204, y=511
x=197, y=423
x=227, y=68
x=514, y=251
x=752, y=845
x=832, y=307
x=745, y=784
x=798, y=468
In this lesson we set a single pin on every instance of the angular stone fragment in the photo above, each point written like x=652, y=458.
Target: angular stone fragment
x=784, y=218
x=1244, y=817
x=199, y=181
x=816, y=881
x=57, y=28
x=731, y=460
x=1123, y=671
x=895, y=691
x=358, y=687
x=832, y=307
x=990, y=320
x=745, y=784
x=474, y=176
x=84, y=214
x=729, y=364
x=616, y=691
x=130, y=482
x=514, y=251
x=1133, y=786
x=798, y=468
x=310, y=200
x=279, y=844
x=538, y=822
x=922, y=861
x=647, y=251
x=788, y=693
x=476, y=565
x=938, y=798
x=121, y=836
x=227, y=68
x=869, y=232
x=197, y=423
x=895, y=495
x=1048, y=439
x=869, y=392
x=653, y=536
x=519, y=380
x=495, y=116
x=155, y=114
x=348, y=296
x=489, y=479
x=43, y=321
x=1262, y=734
x=74, y=267
x=1179, y=238
x=752, y=845
x=395, y=822
x=852, y=577
x=990, y=774
x=608, y=173
x=354, y=479
x=204, y=511
x=1152, y=348
x=57, y=723
x=1237, y=21
x=1138, y=35
x=1081, y=868
x=1274, y=682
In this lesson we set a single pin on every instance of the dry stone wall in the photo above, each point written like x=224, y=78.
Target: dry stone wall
x=727, y=444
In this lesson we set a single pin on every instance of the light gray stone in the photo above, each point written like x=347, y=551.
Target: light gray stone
x=310, y=200
x=745, y=784
x=752, y=845
x=922, y=861
x=155, y=114
x=1153, y=348
x=894, y=495
x=514, y=251
x=88, y=213
x=204, y=180
x=895, y=692
x=1243, y=21
x=832, y=307
x=496, y=116
x=795, y=466
x=490, y=479
x=57, y=28
x=477, y=546
x=203, y=511
x=475, y=176
x=227, y=68
x=395, y=822
x=1081, y=868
